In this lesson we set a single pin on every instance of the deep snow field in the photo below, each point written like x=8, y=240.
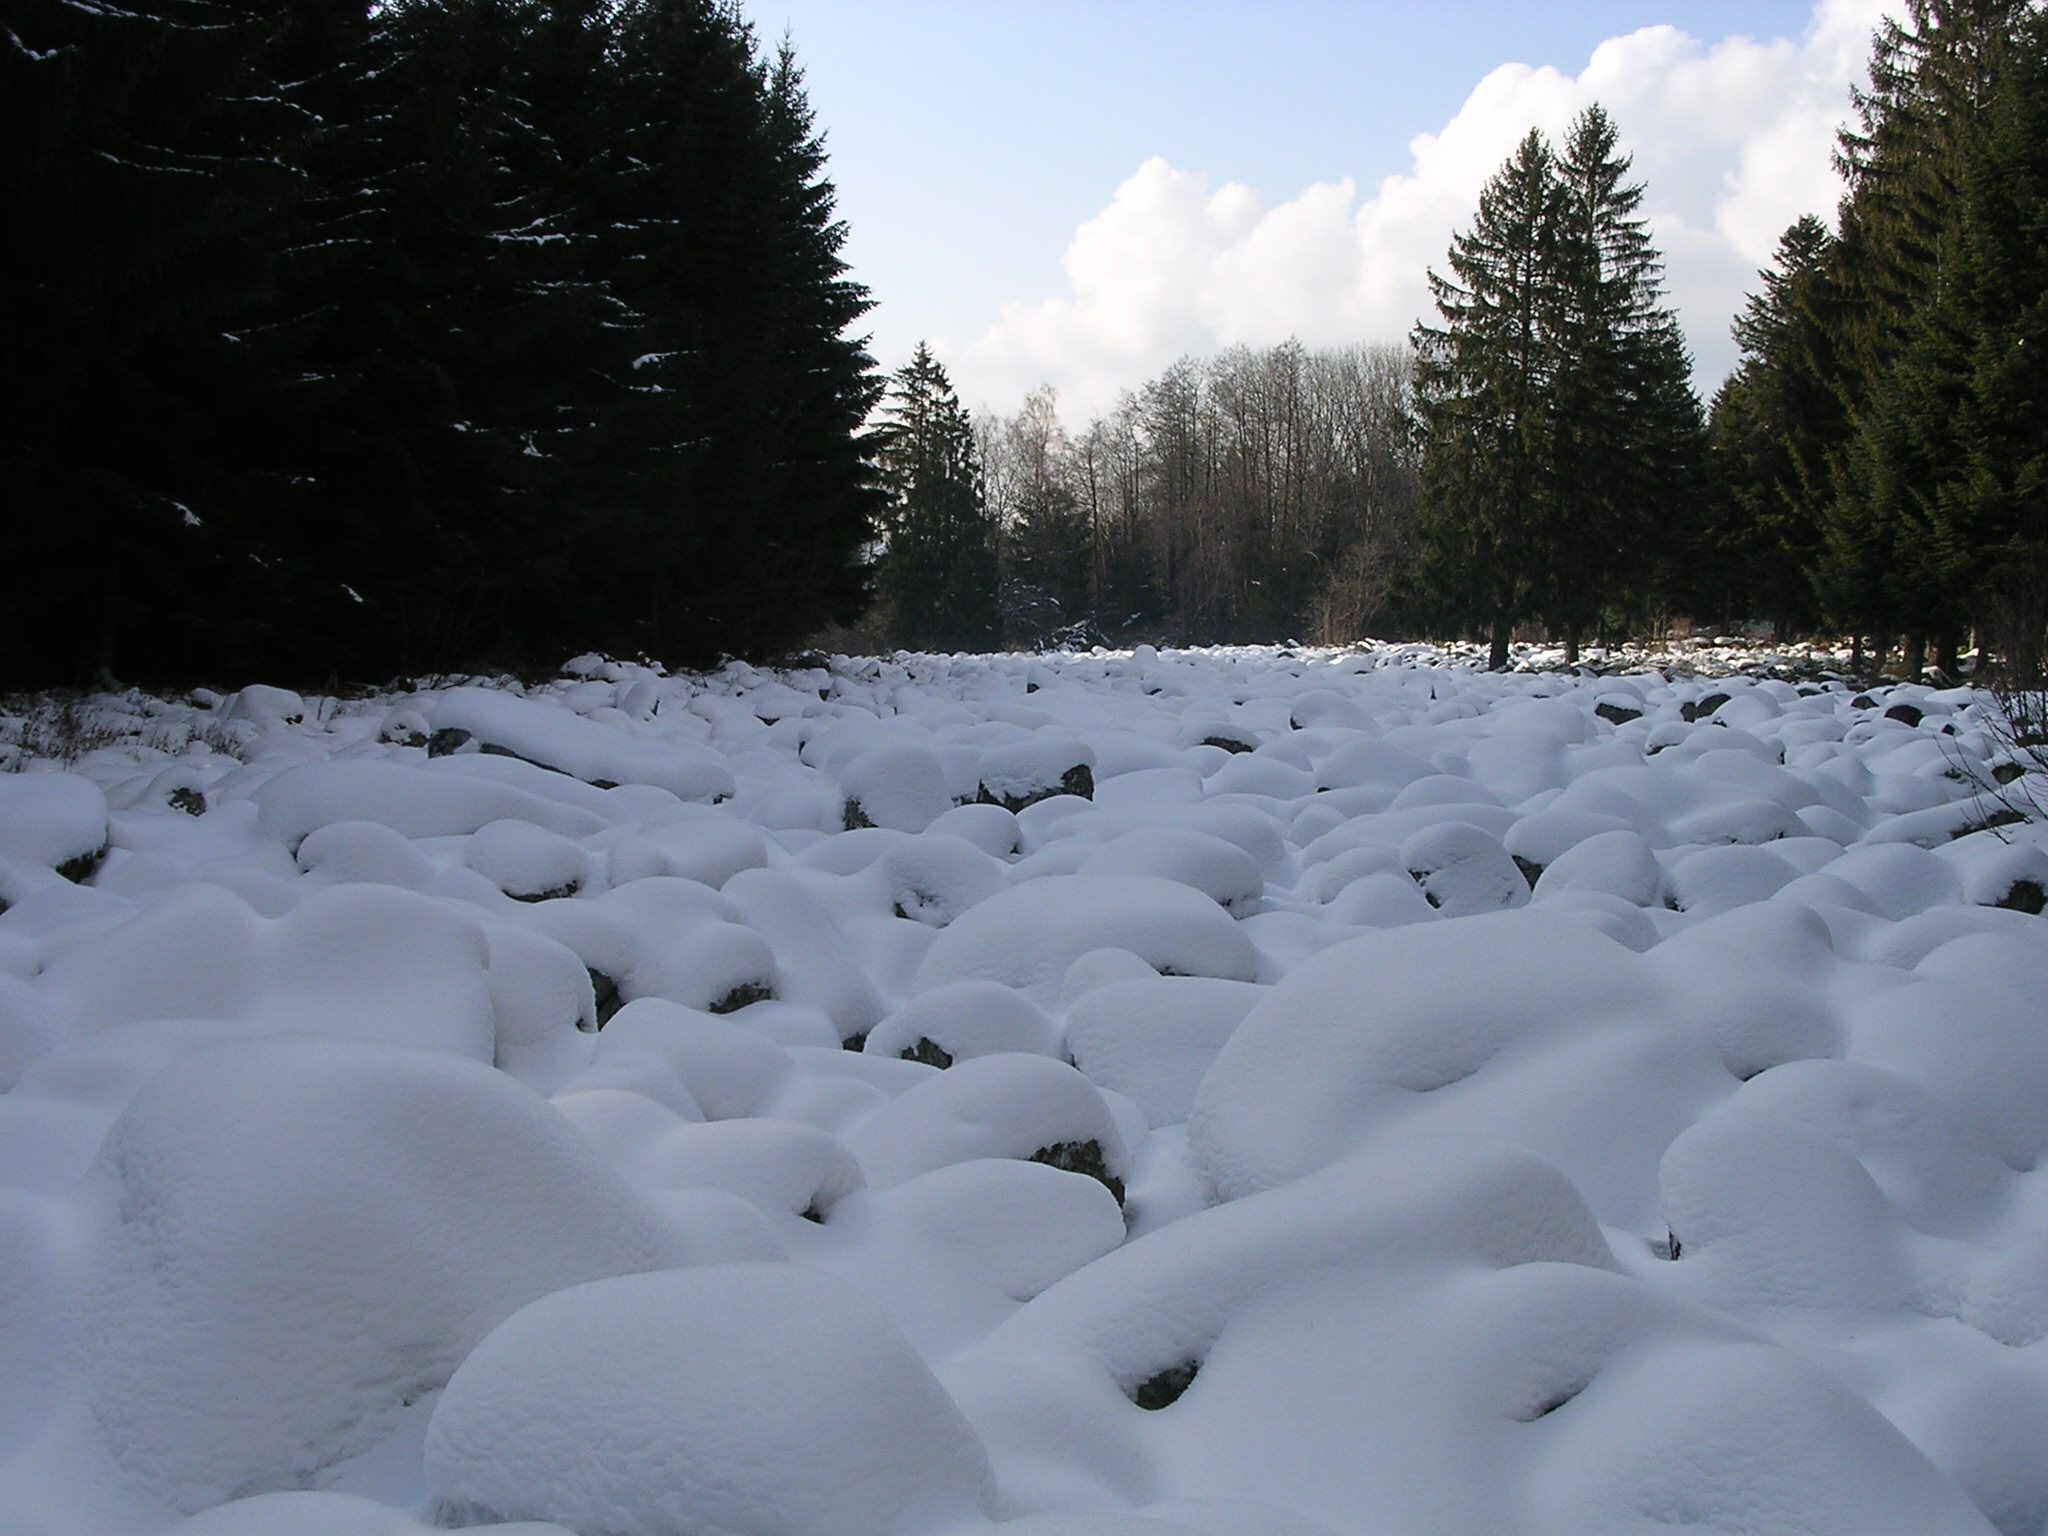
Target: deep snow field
x=1259, y=1093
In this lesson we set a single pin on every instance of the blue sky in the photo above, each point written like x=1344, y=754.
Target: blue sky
x=1075, y=193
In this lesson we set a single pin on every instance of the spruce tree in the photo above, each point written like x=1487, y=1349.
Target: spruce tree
x=1958, y=414
x=1777, y=424
x=1626, y=447
x=138, y=191
x=1934, y=74
x=937, y=570
x=1483, y=387
x=743, y=475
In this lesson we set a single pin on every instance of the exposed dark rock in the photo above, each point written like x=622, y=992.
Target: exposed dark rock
x=1077, y=780
x=1863, y=701
x=1551, y=1404
x=744, y=995
x=552, y=893
x=1164, y=1387
x=1906, y=712
x=2025, y=896
x=2004, y=816
x=930, y=1052
x=812, y=1213
x=857, y=1042
x=1672, y=1248
x=855, y=818
x=1708, y=705
x=187, y=799
x=1081, y=1157
x=1531, y=870
x=1620, y=714
x=2005, y=773
x=80, y=869
x=606, y=992
x=450, y=738
x=1227, y=743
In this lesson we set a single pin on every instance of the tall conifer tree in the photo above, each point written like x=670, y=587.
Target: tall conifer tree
x=1483, y=382
x=938, y=564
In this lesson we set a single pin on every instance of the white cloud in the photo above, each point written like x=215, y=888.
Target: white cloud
x=1733, y=141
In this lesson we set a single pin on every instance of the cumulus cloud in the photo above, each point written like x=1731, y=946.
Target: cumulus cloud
x=1733, y=140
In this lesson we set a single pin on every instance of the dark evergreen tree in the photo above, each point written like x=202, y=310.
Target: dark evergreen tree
x=420, y=334
x=937, y=570
x=1934, y=74
x=745, y=472
x=138, y=203
x=1626, y=448
x=1483, y=397
x=1777, y=424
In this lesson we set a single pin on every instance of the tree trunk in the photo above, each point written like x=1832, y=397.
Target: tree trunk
x=1571, y=649
x=1856, y=656
x=1948, y=654
x=1497, y=656
x=1915, y=657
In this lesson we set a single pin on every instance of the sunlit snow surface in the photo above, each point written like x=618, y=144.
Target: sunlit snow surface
x=1260, y=1093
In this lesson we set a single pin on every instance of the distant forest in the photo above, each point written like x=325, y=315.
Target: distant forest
x=470, y=333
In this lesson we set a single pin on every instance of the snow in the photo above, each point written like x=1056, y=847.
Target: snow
x=724, y=1399
x=1374, y=1096
x=1026, y=937
x=303, y=1235
x=48, y=820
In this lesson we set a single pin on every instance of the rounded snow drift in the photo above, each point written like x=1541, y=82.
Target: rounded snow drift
x=735, y=1400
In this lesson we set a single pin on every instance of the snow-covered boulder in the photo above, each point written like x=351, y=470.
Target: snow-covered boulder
x=899, y=787
x=1522, y=1027
x=305, y=1235
x=1018, y=1106
x=581, y=748
x=53, y=821
x=1027, y=936
x=1027, y=772
x=748, y=1398
x=962, y=1020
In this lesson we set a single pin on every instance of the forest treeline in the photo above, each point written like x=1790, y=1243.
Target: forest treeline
x=1251, y=496
x=1536, y=460
x=354, y=339
x=1883, y=446
x=348, y=339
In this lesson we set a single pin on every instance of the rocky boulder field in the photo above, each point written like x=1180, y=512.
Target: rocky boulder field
x=1256, y=1092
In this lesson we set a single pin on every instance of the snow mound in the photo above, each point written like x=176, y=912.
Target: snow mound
x=1153, y=1039
x=902, y=788
x=962, y=1020
x=583, y=749
x=994, y=1106
x=1222, y=871
x=328, y=1514
x=1026, y=772
x=53, y=821
x=305, y=1235
x=747, y=1398
x=1520, y=1026
x=1463, y=870
x=1027, y=936
x=412, y=801
x=201, y=953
